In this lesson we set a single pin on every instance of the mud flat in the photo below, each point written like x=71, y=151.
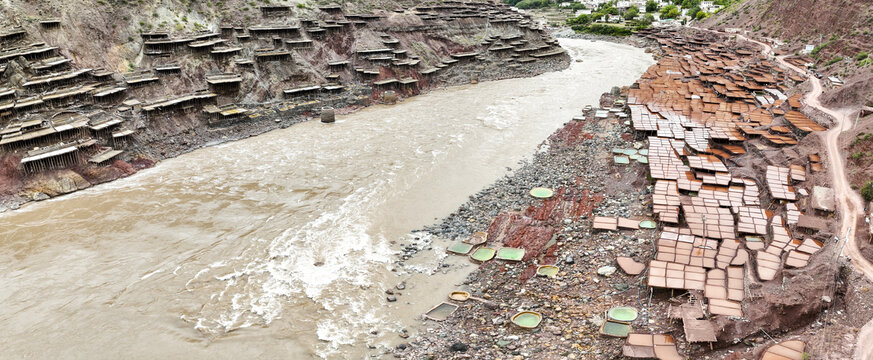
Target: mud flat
x=818, y=302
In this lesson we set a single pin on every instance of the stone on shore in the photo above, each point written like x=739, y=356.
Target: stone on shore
x=606, y=271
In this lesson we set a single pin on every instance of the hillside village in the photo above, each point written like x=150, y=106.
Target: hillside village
x=686, y=10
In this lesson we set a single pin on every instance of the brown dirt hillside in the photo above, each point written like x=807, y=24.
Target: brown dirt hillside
x=805, y=22
x=106, y=33
x=842, y=29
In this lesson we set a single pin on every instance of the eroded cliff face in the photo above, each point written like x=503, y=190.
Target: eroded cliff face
x=102, y=88
x=805, y=21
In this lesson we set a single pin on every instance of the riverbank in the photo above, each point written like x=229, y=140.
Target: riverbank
x=184, y=133
x=577, y=162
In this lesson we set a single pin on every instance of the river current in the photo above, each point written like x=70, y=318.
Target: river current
x=280, y=245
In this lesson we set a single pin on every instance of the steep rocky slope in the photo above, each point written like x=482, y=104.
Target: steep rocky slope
x=103, y=88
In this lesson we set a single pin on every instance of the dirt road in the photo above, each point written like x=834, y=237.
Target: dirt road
x=851, y=204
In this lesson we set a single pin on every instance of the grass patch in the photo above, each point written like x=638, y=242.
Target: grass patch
x=818, y=49
x=834, y=61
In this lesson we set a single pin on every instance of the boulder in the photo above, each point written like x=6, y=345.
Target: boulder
x=606, y=270
x=54, y=183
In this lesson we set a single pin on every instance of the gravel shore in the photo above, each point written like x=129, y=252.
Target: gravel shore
x=576, y=162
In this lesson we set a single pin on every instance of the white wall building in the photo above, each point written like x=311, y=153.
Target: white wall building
x=808, y=50
x=709, y=6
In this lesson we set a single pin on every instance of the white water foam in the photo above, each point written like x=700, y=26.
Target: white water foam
x=330, y=260
x=500, y=116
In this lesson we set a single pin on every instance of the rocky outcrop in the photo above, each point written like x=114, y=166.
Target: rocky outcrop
x=778, y=307
x=51, y=184
x=519, y=231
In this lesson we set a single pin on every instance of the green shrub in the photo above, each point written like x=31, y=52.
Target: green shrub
x=532, y=4
x=631, y=13
x=670, y=12
x=818, y=49
x=601, y=29
x=867, y=191
x=643, y=23
x=861, y=56
x=582, y=19
x=834, y=61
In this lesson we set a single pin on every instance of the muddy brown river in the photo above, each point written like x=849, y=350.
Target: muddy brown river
x=281, y=245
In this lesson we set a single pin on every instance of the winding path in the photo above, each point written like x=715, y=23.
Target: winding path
x=851, y=204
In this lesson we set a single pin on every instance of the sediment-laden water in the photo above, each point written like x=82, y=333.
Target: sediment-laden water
x=282, y=245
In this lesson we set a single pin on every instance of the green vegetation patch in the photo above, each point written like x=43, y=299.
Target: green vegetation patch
x=867, y=191
x=834, y=61
x=528, y=4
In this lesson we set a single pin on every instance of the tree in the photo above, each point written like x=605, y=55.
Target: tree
x=651, y=6
x=648, y=19
x=686, y=3
x=669, y=12
x=608, y=30
x=643, y=23
x=631, y=13
x=532, y=4
x=579, y=20
x=700, y=15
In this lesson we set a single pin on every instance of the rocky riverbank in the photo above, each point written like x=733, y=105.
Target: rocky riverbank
x=577, y=162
